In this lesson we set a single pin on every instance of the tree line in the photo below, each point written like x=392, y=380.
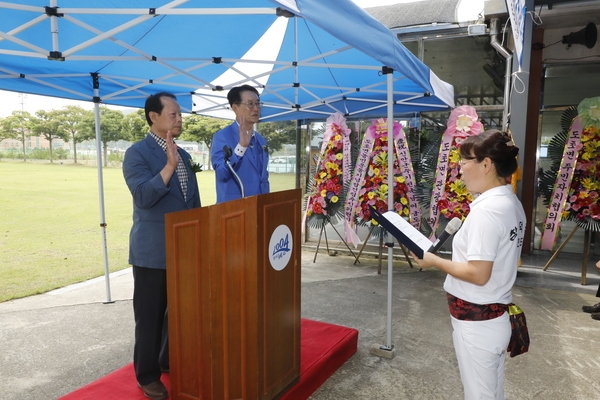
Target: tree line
x=74, y=124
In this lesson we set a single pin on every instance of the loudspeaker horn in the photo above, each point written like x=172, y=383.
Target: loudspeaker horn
x=586, y=36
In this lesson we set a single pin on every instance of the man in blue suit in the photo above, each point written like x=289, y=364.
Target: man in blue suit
x=249, y=152
x=160, y=180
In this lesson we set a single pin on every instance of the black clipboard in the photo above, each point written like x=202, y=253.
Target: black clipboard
x=405, y=239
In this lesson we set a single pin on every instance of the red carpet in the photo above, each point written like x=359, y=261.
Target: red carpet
x=323, y=349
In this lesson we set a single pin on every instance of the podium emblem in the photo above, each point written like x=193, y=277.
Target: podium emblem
x=280, y=247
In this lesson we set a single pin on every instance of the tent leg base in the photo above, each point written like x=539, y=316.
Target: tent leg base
x=383, y=351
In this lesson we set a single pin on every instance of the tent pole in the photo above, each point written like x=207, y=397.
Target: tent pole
x=296, y=72
x=388, y=350
x=101, y=185
x=390, y=238
x=298, y=152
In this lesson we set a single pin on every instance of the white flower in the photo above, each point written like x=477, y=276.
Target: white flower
x=464, y=123
x=595, y=113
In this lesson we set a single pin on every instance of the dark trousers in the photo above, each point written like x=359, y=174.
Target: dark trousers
x=151, y=348
x=598, y=292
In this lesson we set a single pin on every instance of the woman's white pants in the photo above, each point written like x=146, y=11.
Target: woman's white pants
x=481, y=352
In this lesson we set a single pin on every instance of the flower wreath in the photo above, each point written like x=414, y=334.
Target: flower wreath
x=576, y=192
x=325, y=193
x=370, y=186
x=450, y=197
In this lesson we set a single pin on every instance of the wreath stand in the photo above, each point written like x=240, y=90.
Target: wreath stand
x=324, y=232
x=586, y=252
x=380, y=250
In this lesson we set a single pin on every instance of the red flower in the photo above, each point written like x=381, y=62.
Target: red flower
x=317, y=208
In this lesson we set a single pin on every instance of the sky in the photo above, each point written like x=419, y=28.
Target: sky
x=12, y=101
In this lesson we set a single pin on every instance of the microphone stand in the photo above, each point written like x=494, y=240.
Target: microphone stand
x=227, y=151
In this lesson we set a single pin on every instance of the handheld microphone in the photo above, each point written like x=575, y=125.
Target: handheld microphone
x=450, y=230
x=228, y=152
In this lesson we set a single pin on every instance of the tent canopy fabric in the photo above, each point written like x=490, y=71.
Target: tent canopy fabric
x=326, y=57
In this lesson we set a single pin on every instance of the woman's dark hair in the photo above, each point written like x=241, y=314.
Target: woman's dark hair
x=235, y=94
x=154, y=103
x=497, y=146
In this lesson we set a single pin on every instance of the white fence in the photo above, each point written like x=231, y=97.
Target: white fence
x=282, y=164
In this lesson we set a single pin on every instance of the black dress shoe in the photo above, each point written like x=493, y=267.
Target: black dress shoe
x=155, y=390
x=591, y=309
x=596, y=315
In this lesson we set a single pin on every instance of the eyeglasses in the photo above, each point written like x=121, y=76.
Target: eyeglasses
x=253, y=105
x=463, y=161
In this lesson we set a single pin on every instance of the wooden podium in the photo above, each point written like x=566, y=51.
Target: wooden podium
x=233, y=286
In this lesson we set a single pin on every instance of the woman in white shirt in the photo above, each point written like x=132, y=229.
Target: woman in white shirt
x=483, y=269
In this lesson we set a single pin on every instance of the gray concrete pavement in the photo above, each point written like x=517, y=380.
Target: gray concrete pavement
x=57, y=342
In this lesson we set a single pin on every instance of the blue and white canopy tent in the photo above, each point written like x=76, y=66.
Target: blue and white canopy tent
x=329, y=59
x=309, y=59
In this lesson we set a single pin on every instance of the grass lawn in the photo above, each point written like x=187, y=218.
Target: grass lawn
x=50, y=233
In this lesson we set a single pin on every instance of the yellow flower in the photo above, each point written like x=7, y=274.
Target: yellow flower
x=459, y=188
x=324, y=193
x=400, y=179
x=589, y=184
x=404, y=201
x=454, y=155
x=323, y=174
x=337, y=137
x=334, y=199
x=370, y=195
x=339, y=156
x=376, y=171
x=381, y=159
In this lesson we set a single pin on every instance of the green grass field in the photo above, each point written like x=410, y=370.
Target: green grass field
x=50, y=223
